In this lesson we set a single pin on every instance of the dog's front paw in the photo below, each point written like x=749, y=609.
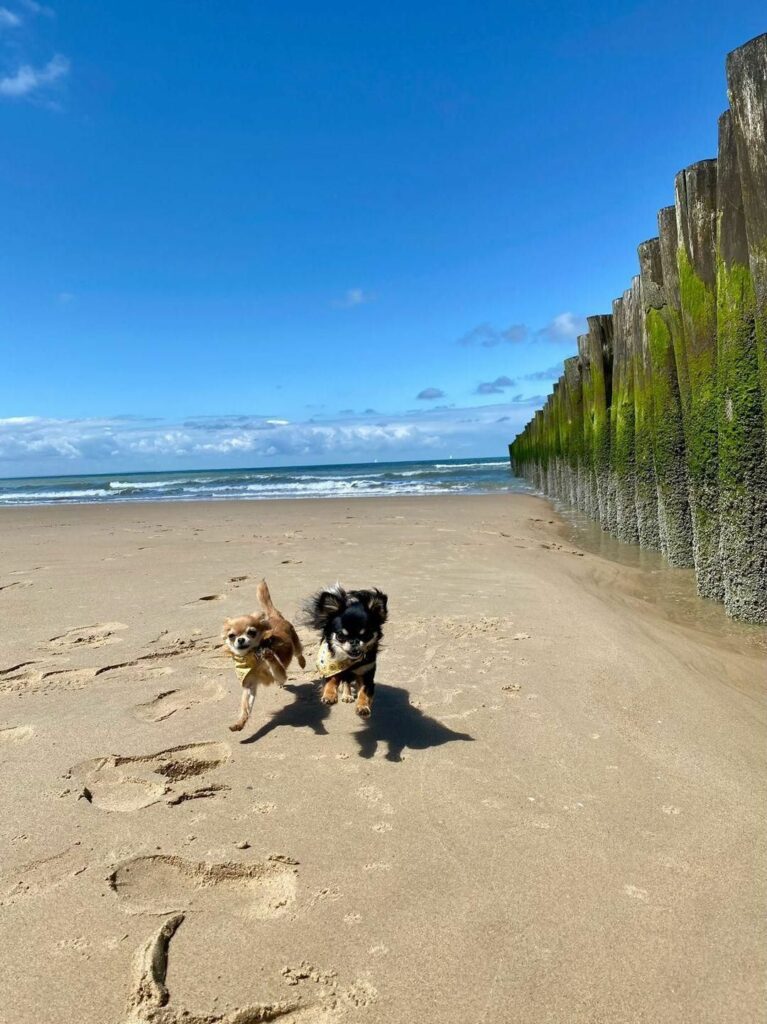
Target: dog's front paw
x=345, y=693
x=364, y=706
x=237, y=727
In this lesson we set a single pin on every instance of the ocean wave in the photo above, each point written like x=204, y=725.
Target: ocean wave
x=144, y=485
x=33, y=496
x=359, y=480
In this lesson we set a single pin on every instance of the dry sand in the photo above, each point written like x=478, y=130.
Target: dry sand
x=555, y=813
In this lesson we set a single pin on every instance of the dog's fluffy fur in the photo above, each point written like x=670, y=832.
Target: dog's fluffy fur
x=351, y=624
x=267, y=642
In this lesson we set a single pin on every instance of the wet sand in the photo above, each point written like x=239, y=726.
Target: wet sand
x=555, y=814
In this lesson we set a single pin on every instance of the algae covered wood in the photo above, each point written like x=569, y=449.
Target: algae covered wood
x=622, y=447
x=695, y=189
x=742, y=465
x=646, y=487
x=663, y=334
x=658, y=428
x=747, y=87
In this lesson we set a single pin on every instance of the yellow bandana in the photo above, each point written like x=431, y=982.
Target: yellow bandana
x=245, y=663
x=331, y=664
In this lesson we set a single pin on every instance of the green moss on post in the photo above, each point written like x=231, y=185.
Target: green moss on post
x=747, y=86
x=696, y=258
x=573, y=414
x=588, y=481
x=622, y=448
x=599, y=343
x=646, y=488
x=661, y=324
x=742, y=466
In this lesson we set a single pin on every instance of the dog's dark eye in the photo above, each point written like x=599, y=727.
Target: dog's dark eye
x=231, y=636
x=251, y=631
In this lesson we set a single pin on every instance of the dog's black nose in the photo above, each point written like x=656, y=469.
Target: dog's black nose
x=241, y=641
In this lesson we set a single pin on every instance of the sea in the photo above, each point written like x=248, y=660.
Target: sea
x=360, y=480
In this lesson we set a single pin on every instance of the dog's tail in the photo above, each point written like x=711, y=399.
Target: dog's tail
x=264, y=597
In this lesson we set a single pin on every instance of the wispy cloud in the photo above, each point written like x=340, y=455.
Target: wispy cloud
x=563, y=327
x=430, y=394
x=487, y=336
x=552, y=373
x=495, y=387
x=29, y=80
x=30, y=444
x=36, y=8
x=354, y=297
x=8, y=19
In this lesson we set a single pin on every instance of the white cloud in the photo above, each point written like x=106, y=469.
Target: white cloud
x=563, y=327
x=488, y=336
x=354, y=297
x=430, y=394
x=36, y=8
x=31, y=445
x=8, y=19
x=28, y=79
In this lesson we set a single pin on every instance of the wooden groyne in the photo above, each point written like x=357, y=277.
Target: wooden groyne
x=658, y=427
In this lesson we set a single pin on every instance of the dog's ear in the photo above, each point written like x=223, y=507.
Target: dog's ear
x=376, y=603
x=325, y=605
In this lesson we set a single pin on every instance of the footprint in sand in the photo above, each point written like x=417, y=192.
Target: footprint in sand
x=206, y=597
x=160, y=884
x=167, y=703
x=636, y=893
x=150, y=1001
x=99, y=635
x=15, y=733
x=16, y=583
x=116, y=783
x=40, y=876
x=28, y=679
x=149, y=998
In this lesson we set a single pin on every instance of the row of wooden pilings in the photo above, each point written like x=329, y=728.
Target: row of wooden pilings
x=658, y=427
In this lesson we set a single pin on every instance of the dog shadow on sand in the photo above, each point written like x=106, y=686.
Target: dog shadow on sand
x=399, y=725
x=305, y=711
x=395, y=722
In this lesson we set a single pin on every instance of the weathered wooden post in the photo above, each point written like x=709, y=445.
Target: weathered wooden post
x=588, y=476
x=600, y=354
x=747, y=86
x=696, y=225
x=662, y=326
x=742, y=465
x=646, y=492
x=573, y=411
x=622, y=449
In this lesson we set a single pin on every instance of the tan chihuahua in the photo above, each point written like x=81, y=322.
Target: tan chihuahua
x=262, y=646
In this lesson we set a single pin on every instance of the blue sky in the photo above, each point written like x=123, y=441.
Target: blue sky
x=256, y=233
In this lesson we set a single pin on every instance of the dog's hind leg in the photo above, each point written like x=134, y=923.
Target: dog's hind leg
x=298, y=650
x=275, y=667
x=345, y=692
x=246, y=706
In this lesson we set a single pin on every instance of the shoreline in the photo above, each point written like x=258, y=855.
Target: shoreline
x=557, y=774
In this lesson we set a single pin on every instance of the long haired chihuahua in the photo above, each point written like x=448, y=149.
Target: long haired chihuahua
x=262, y=646
x=351, y=624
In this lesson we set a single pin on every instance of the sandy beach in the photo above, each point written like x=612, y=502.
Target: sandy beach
x=555, y=813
